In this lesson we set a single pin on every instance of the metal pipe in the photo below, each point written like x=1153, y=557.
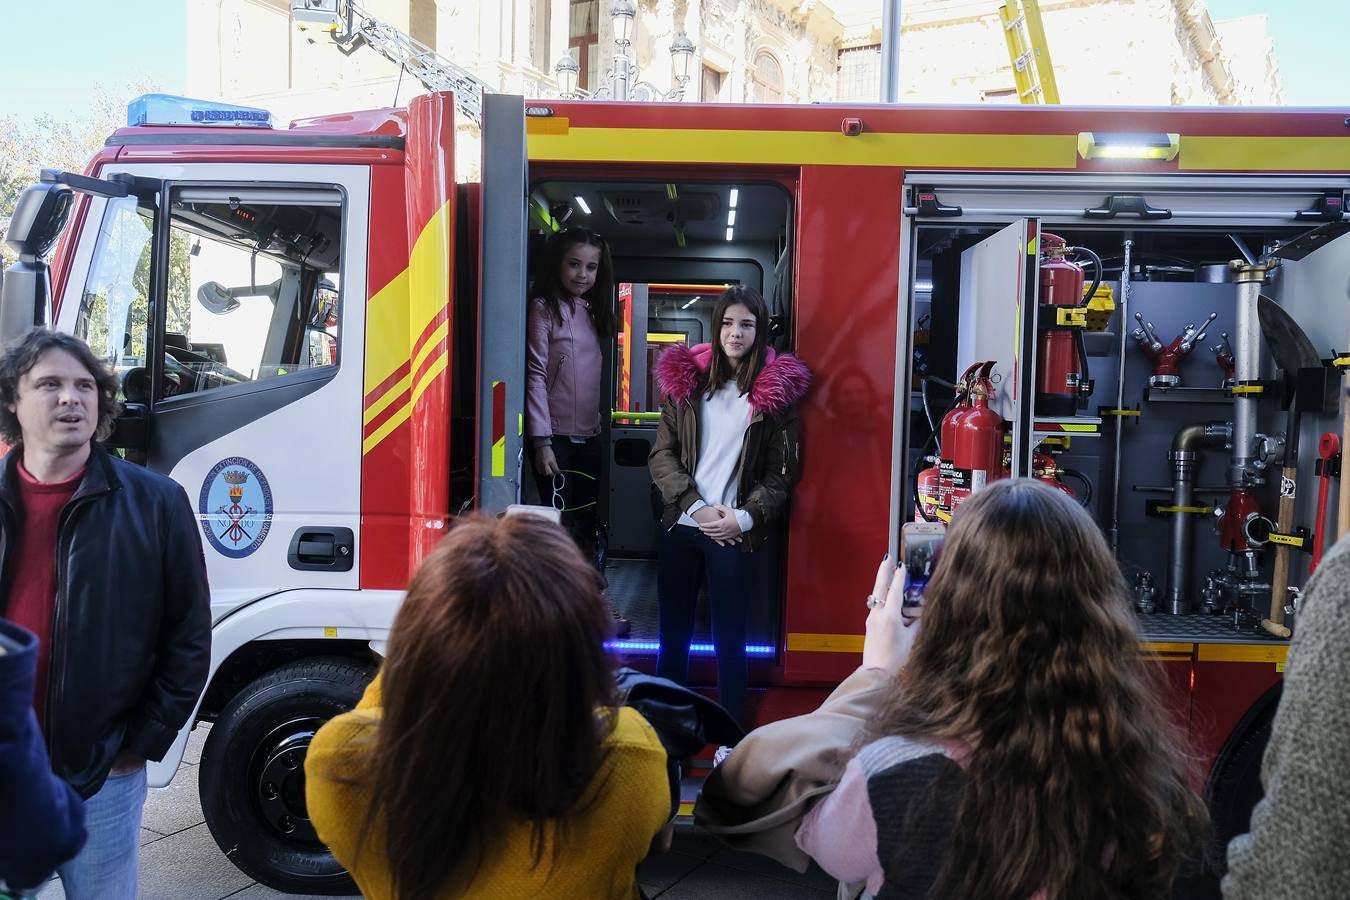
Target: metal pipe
x=1243, y=249
x=890, y=51
x=1246, y=368
x=1184, y=456
x=1120, y=394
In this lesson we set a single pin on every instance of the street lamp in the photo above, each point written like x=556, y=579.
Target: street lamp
x=567, y=71
x=622, y=19
x=681, y=59
x=623, y=74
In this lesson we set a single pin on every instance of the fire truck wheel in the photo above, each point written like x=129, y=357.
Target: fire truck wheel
x=1234, y=786
x=252, y=776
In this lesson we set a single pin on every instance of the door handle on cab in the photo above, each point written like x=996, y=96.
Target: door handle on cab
x=322, y=549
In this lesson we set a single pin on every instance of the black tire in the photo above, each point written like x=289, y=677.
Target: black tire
x=252, y=777
x=1231, y=793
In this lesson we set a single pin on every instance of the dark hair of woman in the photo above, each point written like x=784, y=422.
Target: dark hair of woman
x=495, y=674
x=723, y=368
x=1029, y=655
x=549, y=287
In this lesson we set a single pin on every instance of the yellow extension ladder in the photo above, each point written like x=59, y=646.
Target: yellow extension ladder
x=1028, y=51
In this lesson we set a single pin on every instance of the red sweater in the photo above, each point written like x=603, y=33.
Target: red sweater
x=32, y=586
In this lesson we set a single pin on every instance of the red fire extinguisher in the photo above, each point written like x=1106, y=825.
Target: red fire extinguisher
x=926, y=489
x=972, y=449
x=1062, y=383
x=1045, y=468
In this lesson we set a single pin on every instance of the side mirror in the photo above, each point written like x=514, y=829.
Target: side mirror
x=216, y=298
x=38, y=219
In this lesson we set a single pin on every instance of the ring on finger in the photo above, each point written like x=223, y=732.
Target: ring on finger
x=875, y=602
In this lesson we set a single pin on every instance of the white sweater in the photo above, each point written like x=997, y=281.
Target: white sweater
x=722, y=422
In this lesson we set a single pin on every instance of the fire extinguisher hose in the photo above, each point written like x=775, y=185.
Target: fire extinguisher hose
x=1080, y=342
x=1082, y=479
x=1096, y=272
x=927, y=409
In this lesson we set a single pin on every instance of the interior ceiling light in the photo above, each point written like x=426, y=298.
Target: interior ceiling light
x=581, y=201
x=731, y=217
x=732, y=202
x=729, y=231
x=691, y=303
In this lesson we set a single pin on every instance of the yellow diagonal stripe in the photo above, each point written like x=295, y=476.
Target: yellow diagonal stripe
x=405, y=411
x=386, y=331
x=395, y=392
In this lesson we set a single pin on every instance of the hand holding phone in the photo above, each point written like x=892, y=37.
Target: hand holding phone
x=920, y=544
x=890, y=635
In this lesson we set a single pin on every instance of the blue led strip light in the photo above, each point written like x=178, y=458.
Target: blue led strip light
x=694, y=649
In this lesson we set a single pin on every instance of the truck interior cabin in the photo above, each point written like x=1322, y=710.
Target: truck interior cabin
x=676, y=246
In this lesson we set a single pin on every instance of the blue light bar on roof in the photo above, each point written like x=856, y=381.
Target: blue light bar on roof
x=167, y=109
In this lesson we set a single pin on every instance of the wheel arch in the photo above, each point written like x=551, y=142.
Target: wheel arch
x=301, y=624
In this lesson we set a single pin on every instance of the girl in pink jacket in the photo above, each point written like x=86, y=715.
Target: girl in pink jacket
x=571, y=312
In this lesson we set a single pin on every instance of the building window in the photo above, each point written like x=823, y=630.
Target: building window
x=583, y=40
x=711, y=85
x=767, y=78
x=540, y=33
x=860, y=73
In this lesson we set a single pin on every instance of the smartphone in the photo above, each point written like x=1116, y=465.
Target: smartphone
x=920, y=544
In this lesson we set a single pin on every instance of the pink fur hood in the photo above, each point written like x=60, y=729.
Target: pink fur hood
x=681, y=371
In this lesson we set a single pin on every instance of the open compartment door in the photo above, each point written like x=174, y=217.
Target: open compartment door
x=999, y=284
x=501, y=348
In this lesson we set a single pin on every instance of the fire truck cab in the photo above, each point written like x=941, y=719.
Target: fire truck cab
x=320, y=335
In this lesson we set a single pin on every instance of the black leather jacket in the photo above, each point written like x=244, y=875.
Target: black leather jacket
x=131, y=635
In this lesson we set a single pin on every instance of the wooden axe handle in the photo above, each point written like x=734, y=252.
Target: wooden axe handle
x=1279, y=631
x=1279, y=579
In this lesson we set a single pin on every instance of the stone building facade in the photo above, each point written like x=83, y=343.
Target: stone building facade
x=1151, y=52
x=1105, y=52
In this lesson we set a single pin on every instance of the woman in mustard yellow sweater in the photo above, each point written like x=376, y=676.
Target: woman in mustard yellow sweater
x=487, y=759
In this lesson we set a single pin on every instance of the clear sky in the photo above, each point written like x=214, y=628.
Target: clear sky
x=56, y=52
x=1309, y=44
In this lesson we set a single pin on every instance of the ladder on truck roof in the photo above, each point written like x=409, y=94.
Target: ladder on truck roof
x=350, y=26
x=1028, y=51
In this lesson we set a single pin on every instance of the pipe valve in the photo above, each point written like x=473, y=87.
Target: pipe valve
x=1167, y=359
x=1223, y=356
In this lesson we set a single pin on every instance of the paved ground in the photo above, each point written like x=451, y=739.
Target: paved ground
x=180, y=861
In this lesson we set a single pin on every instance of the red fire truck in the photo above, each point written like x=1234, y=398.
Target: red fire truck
x=320, y=334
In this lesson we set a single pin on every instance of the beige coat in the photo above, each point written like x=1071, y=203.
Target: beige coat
x=757, y=798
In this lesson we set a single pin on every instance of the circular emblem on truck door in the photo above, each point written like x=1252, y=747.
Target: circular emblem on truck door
x=235, y=507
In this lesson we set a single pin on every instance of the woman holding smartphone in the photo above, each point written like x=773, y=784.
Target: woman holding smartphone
x=1019, y=697
x=726, y=456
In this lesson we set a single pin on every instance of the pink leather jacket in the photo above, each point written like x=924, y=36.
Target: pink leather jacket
x=562, y=373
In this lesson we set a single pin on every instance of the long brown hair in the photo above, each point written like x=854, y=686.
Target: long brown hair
x=1029, y=654
x=722, y=368
x=549, y=287
x=495, y=689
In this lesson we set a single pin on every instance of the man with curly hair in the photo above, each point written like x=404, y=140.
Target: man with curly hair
x=103, y=560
